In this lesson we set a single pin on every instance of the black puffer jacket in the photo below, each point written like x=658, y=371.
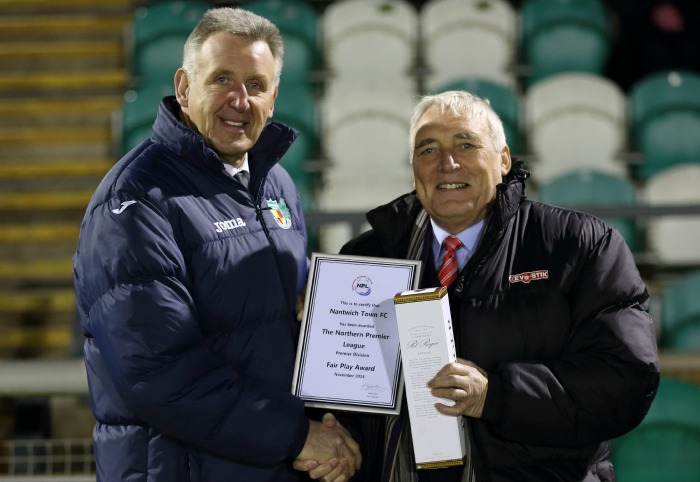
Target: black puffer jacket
x=553, y=307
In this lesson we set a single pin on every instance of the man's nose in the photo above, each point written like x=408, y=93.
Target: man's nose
x=447, y=162
x=239, y=98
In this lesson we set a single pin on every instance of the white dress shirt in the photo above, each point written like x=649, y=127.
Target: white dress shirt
x=468, y=237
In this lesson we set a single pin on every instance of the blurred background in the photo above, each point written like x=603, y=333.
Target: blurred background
x=601, y=99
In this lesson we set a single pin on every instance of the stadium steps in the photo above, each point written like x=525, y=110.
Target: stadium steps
x=45, y=200
x=63, y=78
x=38, y=270
x=25, y=83
x=14, y=51
x=58, y=300
x=54, y=168
x=31, y=135
x=63, y=6
x=23, y=26
x=40, y=108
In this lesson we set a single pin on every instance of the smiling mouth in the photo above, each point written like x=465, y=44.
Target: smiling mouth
x=452, y=186
x=233, y=123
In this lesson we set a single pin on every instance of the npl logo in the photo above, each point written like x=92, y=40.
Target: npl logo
x=362, y=285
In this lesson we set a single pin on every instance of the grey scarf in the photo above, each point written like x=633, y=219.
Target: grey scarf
x=400, y=464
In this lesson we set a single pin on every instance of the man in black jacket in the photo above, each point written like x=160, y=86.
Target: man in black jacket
x=557, y=351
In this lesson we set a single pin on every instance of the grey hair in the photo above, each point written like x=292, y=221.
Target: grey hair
x=460, y=103
x=235, y=21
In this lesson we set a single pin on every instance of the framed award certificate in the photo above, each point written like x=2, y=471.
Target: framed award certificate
x=349, y=355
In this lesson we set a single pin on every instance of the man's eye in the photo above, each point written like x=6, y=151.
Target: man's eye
x=255, y=85
x=221, y=80
x=466, y=145
x=428, y=150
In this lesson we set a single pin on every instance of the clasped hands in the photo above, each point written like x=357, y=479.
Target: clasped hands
x=330, y=453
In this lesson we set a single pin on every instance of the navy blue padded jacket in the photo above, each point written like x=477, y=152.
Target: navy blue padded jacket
x=186, y=287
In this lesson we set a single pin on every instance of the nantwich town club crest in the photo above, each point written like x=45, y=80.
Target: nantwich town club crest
x=280, y=212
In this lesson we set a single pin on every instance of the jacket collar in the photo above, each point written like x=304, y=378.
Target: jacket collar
x=275, y=139
x=393, y=222
x=509, y=194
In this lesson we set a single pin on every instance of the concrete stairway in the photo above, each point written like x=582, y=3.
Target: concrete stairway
x=62, y=76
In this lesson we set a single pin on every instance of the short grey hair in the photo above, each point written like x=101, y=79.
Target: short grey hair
x=460, y=103
x=235, y=21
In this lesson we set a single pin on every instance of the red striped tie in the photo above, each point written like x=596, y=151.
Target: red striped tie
x=450, y=267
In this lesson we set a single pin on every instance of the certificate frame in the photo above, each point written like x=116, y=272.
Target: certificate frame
x=349, y=355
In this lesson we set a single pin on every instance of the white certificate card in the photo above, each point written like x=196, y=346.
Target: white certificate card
x=349, y=355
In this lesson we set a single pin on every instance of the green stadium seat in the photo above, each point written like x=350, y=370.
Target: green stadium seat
x=490, y=24
x=578, y=109
x=674, y=239
x=159, y=34
x=298, y=24
x=138, y=112
x=585, y=187
x=665, y=120
x=504, y=100
x=296, y=107
x=368, y=43
x=680, y=313
x=563, y=36
x=666, y=445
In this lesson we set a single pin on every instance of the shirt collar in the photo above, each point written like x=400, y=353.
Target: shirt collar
x=232, y=171
x=468, y=237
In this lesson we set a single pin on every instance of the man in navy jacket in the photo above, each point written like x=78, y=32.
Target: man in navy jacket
x=187, y=280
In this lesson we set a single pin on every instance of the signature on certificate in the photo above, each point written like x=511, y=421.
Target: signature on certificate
x=375, y=387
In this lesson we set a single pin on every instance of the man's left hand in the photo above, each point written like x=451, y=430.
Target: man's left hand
x=463, y=382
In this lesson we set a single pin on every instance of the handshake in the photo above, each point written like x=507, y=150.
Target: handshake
x=330, y=453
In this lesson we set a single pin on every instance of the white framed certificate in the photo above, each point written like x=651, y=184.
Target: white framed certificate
x=349, y=355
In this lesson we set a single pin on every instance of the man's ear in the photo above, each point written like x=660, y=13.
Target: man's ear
x=182, y=87
x=505, y=161
x=274, y=98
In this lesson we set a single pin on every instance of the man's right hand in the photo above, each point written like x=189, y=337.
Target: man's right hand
x=330, y=453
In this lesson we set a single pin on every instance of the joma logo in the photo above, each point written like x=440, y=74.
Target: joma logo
x=529, y=276
x=222, y=226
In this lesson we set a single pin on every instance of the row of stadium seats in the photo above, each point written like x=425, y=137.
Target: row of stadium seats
x=671, y=240
x=337, y=41
x=567, y=121
x=580, y=120
x=558, y=113
x=562, y=124
x=482, y=38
